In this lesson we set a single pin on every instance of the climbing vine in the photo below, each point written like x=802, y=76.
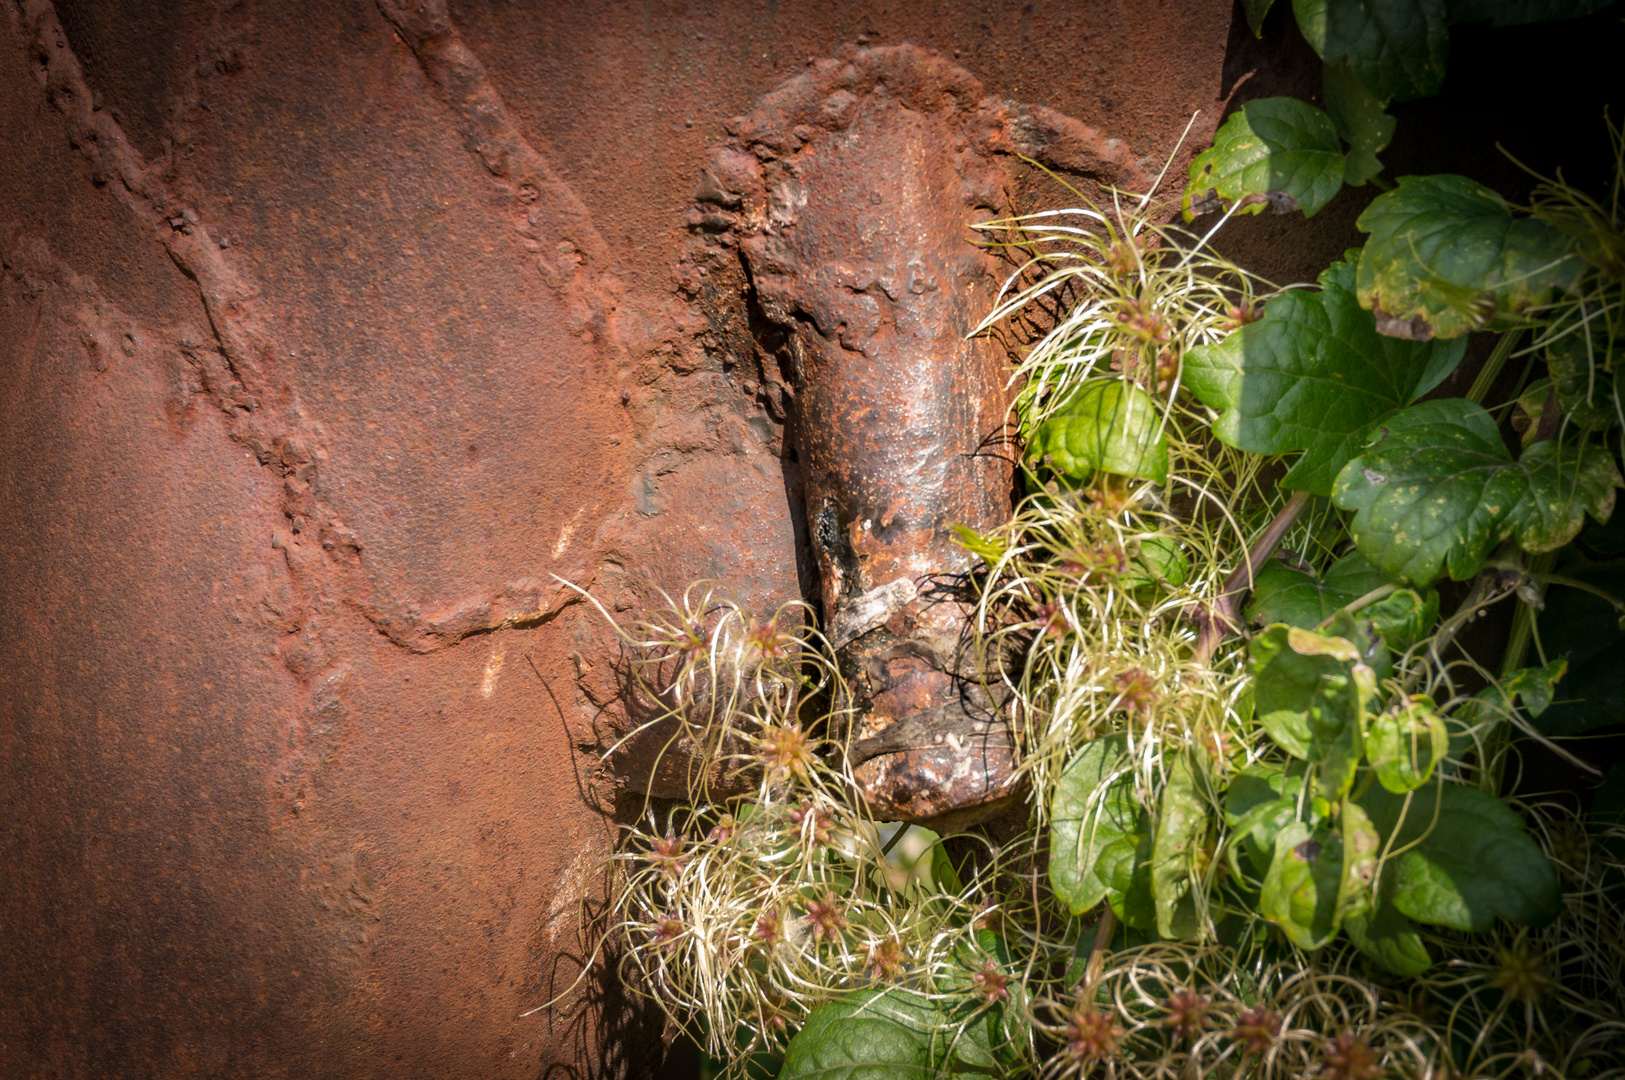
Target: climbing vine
x=1275, y=819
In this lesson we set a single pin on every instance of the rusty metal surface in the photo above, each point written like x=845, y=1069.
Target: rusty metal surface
x=847, y=193
x=330, y=333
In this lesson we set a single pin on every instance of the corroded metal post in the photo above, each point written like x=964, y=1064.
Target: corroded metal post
x=849, y=190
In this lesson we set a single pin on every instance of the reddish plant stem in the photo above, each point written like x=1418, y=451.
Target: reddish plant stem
x=1097, y=952
x=1223, y=617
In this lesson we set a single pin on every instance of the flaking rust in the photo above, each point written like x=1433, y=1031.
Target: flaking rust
x=848, y=193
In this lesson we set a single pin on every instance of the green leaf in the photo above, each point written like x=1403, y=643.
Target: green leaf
x=1258, y=828
x=1110, y=426
x=1405, y=742
x=1262, y=799
x=1181, y=827
x=943, y=874
x=1530, y=412
x=1311, y=16
x=1161, y=559
x=879, y=1034
x=1518, y=12
x=1125, y=867
x=1361, y=632
x=1256, y=10
x=1302, y=885
x=985, y=1038
x=1437, y=490
x=1446, y=256
x=1403, y=617
x=1284, y=684
x=1094, y=808
x=1461, y=858
x=1471, y=723
x=1336, y=728
x=1535, y=687
x=1313, y=375
x=1397, y=48
x=1277, y=152
x=1389, y=938
x=989, y=549
x=1584, y=388
x=1285, y=594
x=1360, y=120
x=1298, y=598
x=1562, y=484
x=1360, y=846
x=1309, y=690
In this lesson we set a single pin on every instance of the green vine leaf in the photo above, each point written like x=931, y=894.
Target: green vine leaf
x=1360, y=119
x=1579, y=374
x=1530, y=413
x=1311, y=18
x=1094, y=809
x=1159, y=559
x=1284, y=594
x=869, y=1035
x=1518, y=12
x=1125, y=866
x=1310, y=689
x=1462, y=858
x=1261, y=800
x=1284, y=685
x=1277, y=152
x=1108, y=426
x=879, y=1034
x=1313, y=375
x=1336, y=728
x=1360, y=845
x=1446, y=256
x=1437, y=490
x=1535, y=687
x=990, y=549
x=1303, y=882
x=1256, y=10
x=1403, y=617
x=1404, y=744
x=1181, y=826
x=1398, y=48
x=1388, y=937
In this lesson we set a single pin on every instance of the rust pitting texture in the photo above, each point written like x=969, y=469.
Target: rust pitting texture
x=848, y=192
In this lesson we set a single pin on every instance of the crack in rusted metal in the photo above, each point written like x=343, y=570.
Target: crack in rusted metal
x=240, y=375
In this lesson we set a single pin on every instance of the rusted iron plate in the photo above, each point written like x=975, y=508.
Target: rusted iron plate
x=299, y=735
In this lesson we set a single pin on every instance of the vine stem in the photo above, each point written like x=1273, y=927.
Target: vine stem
x=1492, y=367
x=1223, y=617
x=1487, y=588
x=1097, y=951
x=1583, y=586
x=1379, y=593
x=1523, y=627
